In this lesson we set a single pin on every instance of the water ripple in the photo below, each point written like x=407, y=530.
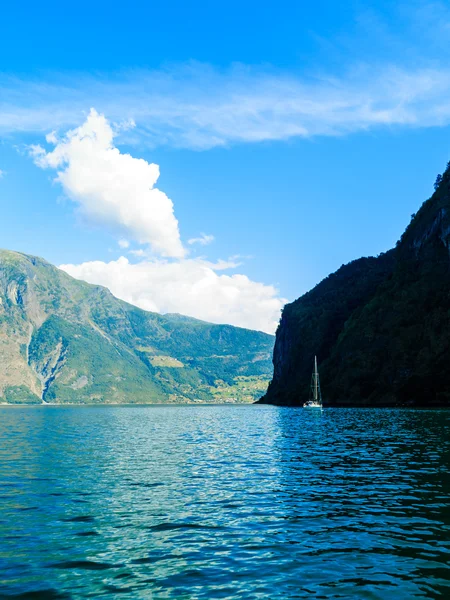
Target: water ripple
x=224, y=502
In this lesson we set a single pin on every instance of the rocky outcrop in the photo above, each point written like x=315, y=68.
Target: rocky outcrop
x=49, y=365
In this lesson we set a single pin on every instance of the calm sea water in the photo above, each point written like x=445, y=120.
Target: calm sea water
x=224, y=502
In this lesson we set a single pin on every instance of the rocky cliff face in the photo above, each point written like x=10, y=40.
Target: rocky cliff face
x=379, y=326
x=63, y=340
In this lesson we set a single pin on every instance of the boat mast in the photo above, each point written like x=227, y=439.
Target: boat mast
x=317, y=393
x=316, y=380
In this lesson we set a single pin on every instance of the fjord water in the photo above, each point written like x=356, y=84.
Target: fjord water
x=224, y=502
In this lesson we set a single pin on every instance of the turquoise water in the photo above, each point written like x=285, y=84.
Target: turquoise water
x=224, y=502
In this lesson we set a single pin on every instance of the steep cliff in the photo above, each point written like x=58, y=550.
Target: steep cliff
x=379, y=326
x=63, y=340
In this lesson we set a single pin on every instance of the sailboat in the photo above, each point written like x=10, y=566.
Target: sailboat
x=315, y=400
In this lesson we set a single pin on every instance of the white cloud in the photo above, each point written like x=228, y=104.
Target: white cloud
x=197, y=106
x=2, y=174
x=112, y=188
x=118, y=190
x=203, y=240
x=190, y=287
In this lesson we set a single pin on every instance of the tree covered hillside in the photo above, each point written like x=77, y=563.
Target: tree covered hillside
x=379, y=326
x=63, y=340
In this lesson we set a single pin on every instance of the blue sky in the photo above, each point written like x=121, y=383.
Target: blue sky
x=298, y=135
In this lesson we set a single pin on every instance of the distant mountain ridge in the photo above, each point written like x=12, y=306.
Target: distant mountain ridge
x=379, y=326
x=66, y=341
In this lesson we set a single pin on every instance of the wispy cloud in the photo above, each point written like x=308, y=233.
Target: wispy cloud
x=200, y=107
x=203, y=240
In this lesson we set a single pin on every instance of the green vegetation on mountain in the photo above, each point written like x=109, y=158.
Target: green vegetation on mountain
x=66, y=341
x=379, y=326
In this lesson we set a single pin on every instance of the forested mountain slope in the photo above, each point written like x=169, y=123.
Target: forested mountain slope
x=64, y=340
x=379, y=326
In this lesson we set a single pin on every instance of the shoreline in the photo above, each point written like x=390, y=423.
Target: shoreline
x=195, y=404
x=72, y=404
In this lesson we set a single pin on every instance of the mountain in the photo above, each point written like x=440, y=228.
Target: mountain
x=379, y=326
x=66, y=341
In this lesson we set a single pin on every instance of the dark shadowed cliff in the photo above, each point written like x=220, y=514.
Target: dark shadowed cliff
x=379, y=326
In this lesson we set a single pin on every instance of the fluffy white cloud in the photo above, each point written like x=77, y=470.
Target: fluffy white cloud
x=113, y=188
x=203, y=240
x=118, y=190
x=190, y=287
x=2, y=174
